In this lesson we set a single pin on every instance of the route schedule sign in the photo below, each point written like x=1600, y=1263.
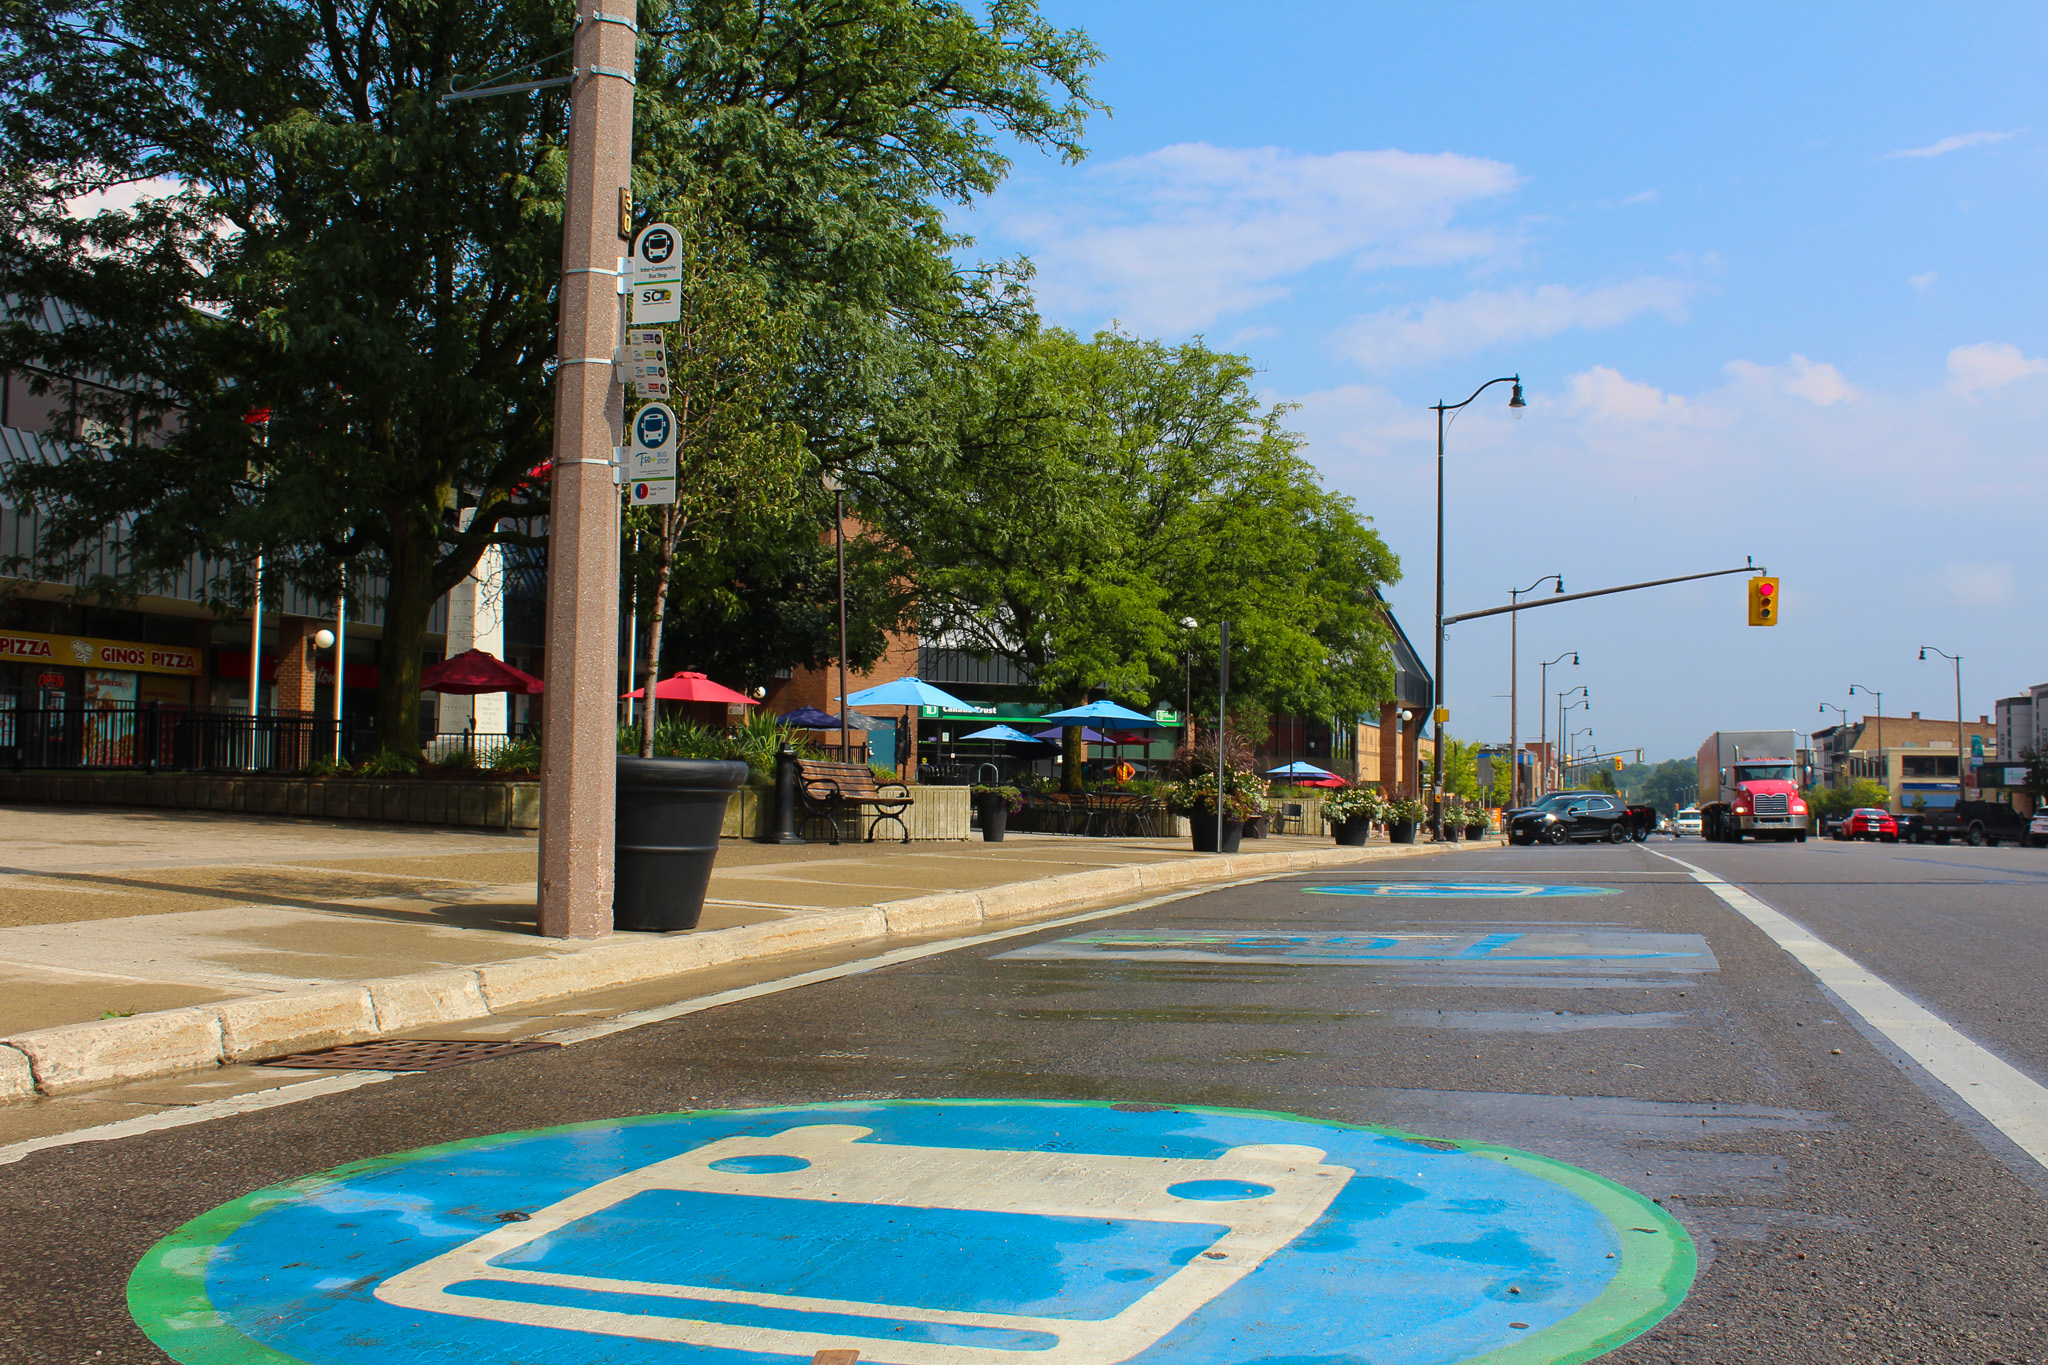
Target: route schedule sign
x=924, y=1233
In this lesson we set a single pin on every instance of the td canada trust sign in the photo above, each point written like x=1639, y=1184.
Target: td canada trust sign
x=18, y=646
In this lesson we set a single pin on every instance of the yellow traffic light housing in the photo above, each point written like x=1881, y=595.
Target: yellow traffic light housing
x=1763, y=601
x=1617, y=765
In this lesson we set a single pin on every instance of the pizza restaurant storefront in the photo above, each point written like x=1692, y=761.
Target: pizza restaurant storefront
x=62, y=673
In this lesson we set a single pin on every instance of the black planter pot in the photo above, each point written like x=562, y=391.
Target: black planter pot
x=1475, y=832
x=1401, y=832
x=1204, y=825
x=1354, y=832
x=670, y=811
x=995, y=816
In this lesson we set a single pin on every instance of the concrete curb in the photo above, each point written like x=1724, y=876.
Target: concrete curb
x=86, y=1056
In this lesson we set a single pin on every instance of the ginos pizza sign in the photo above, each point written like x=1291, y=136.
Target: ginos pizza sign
x=24, y=647
x=120, y=654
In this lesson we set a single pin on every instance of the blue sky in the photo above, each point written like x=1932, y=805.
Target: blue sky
x=1773, y=275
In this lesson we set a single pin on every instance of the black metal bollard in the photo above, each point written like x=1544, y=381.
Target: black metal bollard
x=783, y=830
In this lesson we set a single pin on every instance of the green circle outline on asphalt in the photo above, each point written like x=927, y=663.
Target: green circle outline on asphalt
x=167, y=1290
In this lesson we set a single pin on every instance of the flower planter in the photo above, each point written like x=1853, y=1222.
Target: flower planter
x=995, y=816
x=1203, y=823
x=1475, y=832
x=1354, y=832
x=1401, y=832
x=670, y=813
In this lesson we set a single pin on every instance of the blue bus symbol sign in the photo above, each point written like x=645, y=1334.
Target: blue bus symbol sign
x=940, y=1232
x=654, y=428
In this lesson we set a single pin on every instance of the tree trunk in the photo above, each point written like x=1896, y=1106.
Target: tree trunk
x=408, y=601
x=650, y=649
x=1073, y=757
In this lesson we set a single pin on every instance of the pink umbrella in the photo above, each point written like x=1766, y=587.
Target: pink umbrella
x=474, y=671
x=692, y=687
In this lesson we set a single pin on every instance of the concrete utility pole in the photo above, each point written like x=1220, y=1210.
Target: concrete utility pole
x=579, y=713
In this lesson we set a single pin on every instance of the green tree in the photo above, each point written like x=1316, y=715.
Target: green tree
x=380, y=271
x=1501, y=792
x=737, y=468
x=1068, y=503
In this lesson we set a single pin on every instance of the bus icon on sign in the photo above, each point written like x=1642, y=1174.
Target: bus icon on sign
x=651, y=428
x=657, y=244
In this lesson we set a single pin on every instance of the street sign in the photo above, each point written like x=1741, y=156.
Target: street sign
x=643, y=362
x=657, y=265
x=650, y=472
x=940, y=1232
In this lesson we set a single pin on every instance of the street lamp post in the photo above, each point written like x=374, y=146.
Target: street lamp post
x=1843, y=712
x=1564, y=740
x=1436, y=781
x=1543, y=700
x=1854, y=688
x=1957, y=660
x=1514, y=684
x=837, y=489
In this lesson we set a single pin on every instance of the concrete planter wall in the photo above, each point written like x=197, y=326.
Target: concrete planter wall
x=469, y=805
x=940, y=813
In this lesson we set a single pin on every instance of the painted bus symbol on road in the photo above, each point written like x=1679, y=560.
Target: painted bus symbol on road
x=942, y=1232
x=1456, y=890
x=1558, y=945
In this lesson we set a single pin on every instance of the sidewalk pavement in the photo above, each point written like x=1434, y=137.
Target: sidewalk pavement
x=140, y=944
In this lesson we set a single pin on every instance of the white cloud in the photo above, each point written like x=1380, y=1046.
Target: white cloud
x=1818, y=383
x=122, y=197
x=1978, y=585
x=1989, y=365
x=1606, y=395
x=1953, y=144
x=1925, y=282
x=1175, y=239
x=1442, y=327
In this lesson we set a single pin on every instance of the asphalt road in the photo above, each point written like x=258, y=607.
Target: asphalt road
x=1842, y=1206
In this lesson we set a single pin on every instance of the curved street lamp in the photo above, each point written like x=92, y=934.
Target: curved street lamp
x=1543, y=701
x=1854, y=688
x=1514, y=682
x=1841, y=711
x=1957, y=660
x=1436, y=682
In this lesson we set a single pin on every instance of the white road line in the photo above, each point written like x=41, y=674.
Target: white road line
x=336, y=1084
x=2009, y=1100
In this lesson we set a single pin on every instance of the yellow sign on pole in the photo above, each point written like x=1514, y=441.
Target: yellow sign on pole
x=1443, y=714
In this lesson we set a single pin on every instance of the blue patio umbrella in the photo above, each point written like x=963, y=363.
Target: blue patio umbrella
x=1005, y=733
x=1102, y=710
x=907, y=692
x=809, y=718
x=1299, y=769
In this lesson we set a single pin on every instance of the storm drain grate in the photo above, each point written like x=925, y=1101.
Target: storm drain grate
x=403, y=1054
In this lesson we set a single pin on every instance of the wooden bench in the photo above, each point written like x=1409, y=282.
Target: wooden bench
x=830, y=790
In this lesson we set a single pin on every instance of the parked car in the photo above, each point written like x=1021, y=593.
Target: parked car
x=1686, y=822
x=2037, y=829
x=1912, y=827
x=1978, y=823
x=1868, y=822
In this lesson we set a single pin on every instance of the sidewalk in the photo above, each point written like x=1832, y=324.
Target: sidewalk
x=137, y=944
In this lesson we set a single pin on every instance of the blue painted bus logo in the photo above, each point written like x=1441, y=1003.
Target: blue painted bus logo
x=1456, y=890
x=953, y=1232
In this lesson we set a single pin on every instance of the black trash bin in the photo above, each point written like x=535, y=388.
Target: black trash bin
x=669, y=814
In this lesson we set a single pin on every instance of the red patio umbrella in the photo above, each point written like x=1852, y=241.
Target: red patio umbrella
x=692, y=687
x=474, y=671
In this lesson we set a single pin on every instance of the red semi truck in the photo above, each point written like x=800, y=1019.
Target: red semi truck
x=1749, y=785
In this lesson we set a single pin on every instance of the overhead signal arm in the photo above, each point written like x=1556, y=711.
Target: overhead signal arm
x=1555, y=598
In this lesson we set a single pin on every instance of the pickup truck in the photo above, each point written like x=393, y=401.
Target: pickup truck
x=1977, y=823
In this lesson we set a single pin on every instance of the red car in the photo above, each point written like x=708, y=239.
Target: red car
x=1867, y=822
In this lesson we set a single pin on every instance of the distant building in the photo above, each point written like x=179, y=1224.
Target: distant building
x=1912, y=757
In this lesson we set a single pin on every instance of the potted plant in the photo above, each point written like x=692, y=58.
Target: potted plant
x=1402, y=817
x=1243, y=797
x=1477, y=823
x=1351, y=813
x=994, y=806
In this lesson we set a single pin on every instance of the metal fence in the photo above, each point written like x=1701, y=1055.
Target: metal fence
x=152, y=736
x=471, y=748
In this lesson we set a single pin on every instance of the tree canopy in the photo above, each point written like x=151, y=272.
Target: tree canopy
x=379, y=271
x=1070, y=504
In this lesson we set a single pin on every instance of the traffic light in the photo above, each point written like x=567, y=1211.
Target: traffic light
x=1617, y=764
x=1763, y=601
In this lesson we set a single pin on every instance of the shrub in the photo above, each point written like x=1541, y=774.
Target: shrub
x=384, y=763
x=520, y=756
x=1012, y=798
